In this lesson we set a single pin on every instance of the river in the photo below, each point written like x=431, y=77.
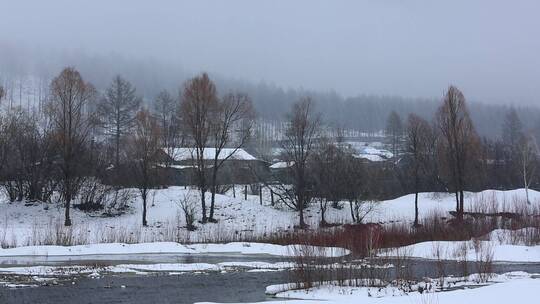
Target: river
x=236, y=286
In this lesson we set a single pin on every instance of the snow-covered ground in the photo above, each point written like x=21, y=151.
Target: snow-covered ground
x=27, y=227
x=239, y=219
x=170, y=247
x=502, y=289
x=498, y=246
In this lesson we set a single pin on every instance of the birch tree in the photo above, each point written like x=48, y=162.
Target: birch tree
x=528, y=160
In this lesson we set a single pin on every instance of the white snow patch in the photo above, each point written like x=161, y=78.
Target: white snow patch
x=168, y=247
x=507, y=288
x=183, y=154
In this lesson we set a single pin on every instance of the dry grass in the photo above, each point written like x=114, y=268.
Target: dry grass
x=484, y=260
x=364, y=240
x=439, y=252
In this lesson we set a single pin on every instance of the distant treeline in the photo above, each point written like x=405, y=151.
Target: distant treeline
x=368, y=113
x=25, y=71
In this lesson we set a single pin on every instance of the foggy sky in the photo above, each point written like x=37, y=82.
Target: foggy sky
x=489, y=48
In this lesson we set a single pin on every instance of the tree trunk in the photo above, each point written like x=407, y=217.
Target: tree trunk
x=212, y=200
x=416, y=182
x=457, y=201
x=144, y=223
x=302, y=223
x=67, y=219
x=117, y=156
x=525, y=183
x=323, y=211
x=203, y=202
x=260, y=195
x=213, y=189
x=459, y=188
x=462, y=203
x=352, y=211
x=416, y=208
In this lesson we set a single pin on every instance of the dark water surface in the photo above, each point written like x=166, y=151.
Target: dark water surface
x=238, y=286
x=115, y=259
x=148, y=289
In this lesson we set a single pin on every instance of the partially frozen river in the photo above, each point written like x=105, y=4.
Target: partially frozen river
x=187, y=287
x=168, y=287
x=116, y=259
x=134, y=289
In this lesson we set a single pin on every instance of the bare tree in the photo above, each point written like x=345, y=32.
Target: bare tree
x=143, y=152
x=419, y=138
x=166, y=111
x=459, y=140
x=14, y=157
x=117, y=110
x=299, y=143
x=234, y=117
x=198, y=107
x=4, y=145
x=2, y=93
x=394, y=129
x=512, y=129
x=529, y=160
x=513, y=139
x=187, y=204
x=321, y=164
x=355, y=186
x=328, y=167
x=31, y=156
x=536, y=130
x=71, y=122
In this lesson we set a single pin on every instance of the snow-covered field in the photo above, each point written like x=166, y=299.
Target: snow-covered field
x=497, y=245
x=239, y=219
x=28, y=229
x=170, y=247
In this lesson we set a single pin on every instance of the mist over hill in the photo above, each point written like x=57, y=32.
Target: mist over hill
x=26, y=74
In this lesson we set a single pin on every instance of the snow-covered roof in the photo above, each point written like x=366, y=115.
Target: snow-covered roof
x=282, y=165
x=372, y=151
x=180, y=154
x=175, y=166
x=370, y=157
x=375, y=151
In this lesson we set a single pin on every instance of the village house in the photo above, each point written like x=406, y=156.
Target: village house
x=239, y=166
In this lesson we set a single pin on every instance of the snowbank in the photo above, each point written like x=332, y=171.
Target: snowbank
x=172, y=268
x=167, y=247
x=510, y=288
x=457, y=250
